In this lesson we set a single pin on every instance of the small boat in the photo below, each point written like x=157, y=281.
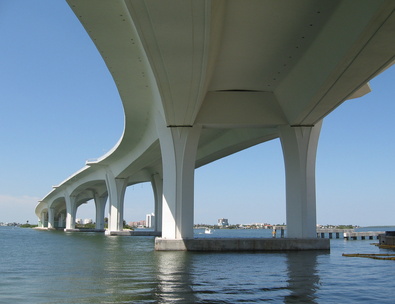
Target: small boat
x=207, y=231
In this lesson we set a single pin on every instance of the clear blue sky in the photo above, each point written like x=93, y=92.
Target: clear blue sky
x=59, y=107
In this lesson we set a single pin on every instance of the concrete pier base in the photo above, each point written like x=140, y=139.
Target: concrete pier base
x=40, y=228
x=133, y=233
x=242, y=244
x=387, y=238
x=82, y=230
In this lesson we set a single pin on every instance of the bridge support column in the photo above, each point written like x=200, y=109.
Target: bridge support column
x=51, y=218
x=42, y=219
x=116, y=193
x=100, y=204
x=61, y=220
x=157, y=187
x=71, y=212
x=178, y=146
x=299, y=144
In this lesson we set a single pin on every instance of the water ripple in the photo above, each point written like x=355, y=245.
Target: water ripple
x=52, y=267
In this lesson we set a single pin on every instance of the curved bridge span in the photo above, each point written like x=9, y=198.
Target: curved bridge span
x=200, y=80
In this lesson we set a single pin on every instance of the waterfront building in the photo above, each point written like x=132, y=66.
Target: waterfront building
x=87, y=221
x=137, y=224
x=223, y=222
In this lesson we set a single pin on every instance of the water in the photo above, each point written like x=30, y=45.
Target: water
x=57, y=267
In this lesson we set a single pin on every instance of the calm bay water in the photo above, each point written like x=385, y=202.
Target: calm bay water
x=58, y=267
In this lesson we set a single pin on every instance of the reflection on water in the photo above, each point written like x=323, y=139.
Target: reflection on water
x=57, y=267
x=303, y=279
x=174, y=283
x=129, y=271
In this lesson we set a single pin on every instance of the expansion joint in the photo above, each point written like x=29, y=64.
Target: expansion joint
x=302, y=126
x=180, y=126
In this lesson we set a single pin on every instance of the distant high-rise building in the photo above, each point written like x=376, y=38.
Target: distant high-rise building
x=223, y=222
x=150, y=220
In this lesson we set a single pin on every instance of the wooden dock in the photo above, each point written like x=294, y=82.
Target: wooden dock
x=348, y=234
x=362, y=235
x=331, y=233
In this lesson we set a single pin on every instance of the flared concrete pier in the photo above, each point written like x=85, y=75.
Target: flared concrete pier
x=242, y=244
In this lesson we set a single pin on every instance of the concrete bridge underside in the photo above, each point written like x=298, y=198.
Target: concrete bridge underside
x=200, y=80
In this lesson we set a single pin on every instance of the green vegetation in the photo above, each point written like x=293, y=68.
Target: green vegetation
x=232, y=227
x=93, y=225
x=27, y=226
x=345, y=227
x=85, y=226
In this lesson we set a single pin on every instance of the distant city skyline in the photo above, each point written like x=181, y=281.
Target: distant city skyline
x=59, y=107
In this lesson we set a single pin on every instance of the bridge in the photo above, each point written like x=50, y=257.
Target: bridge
x=200, y=80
